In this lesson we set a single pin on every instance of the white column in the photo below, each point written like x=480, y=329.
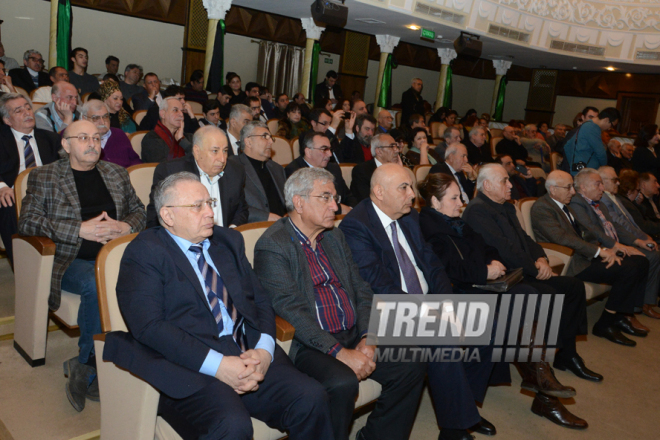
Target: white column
x=217, y=10
x=387, y=44
x=313, y=33
x=446, y=56
x=52, y=44
x=501, y=67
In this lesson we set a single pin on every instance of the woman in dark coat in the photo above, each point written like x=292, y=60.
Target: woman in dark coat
x=646, y=159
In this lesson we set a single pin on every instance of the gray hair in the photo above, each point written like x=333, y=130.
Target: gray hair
x=164, y=188
x=238, y=109
x=560, y=126
x=376, y=142
x=4, y=99
x=30, y=52
x=551, y=180
x=301, y=183
x=200, y=133
x=164, y=104
x=611, y=142
x=475, y=129
x=309, y=140
x=91, y=106
x=131, y=67
x=449, y=130
x=249, y=128
x=530, y=127
x=486, y=172
x=581, y=177
x=452, y=149
x=604, y=168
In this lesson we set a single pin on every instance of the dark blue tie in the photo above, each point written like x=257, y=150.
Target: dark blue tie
x=30, y=161
x=407, y=267
x=576, y=228
x=35, y=80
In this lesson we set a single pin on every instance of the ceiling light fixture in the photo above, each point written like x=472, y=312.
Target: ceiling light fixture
x=610, y=68
x=414, y=27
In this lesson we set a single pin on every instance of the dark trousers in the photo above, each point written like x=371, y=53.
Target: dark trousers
x=394, y=414
x=628, y=281
x=8, y=227
x=286, y=400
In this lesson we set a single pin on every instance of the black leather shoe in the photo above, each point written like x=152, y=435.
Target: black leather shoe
x=613, y=334
x=576, y=366
x=465, y=436
x=552, y=409
x=625, y=326
x=484, y=427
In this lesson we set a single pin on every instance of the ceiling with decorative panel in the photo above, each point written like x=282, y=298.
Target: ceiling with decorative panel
x=169, y=11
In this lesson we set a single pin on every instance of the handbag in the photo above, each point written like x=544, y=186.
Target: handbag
x=503, y=283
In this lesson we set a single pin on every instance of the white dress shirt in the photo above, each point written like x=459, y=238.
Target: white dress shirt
x=20, y=144
x=211, y=185
x=464, y=195
x=387, y=221
x=233, y=142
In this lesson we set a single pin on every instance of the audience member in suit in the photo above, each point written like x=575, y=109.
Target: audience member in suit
x=44, y=93
x=384, y=150
x=511, y=146
x=627, y=151
x=477, y=148
x=386, y=242
x=316, y=154
x=355, y=147
x=645, y=158
x=16, y=156
x=115, y=145
x=190, y=124
x=255, y=109
x=412, y=101
x=264, y=111
x=292, y=125
x=264, y=179
x=80, y=203
x=223, y=98
x=468, y=260
x=211, y=110
x=31, y=76
x=202, y=329
x=456, y=164
x=419, y=150
x=150, y=95
x=167, y=141
x=61, y=111
x=328, y=89
x=325, y=122
x=554, y=139
x=555, y=221
x=224, y=180
x=330, y=343
x=491, y=216
x=629, y=197
x=614, y=158
x=195, y=88
x=649, y=190
x=522, y=185
x=239, y=116
x=128, y=86
x=452, y=135
x=281, y=103
x=385, y=121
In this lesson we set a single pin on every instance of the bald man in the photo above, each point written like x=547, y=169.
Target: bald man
x=59, y=114
x=385, y=120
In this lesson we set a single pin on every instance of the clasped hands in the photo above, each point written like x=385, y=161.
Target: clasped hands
x=103, y=228
x=243, y=373
x=360, y=359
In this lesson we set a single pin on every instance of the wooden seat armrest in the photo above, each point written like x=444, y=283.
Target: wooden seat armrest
x=43, y=245
x=100, y=337
x=284, y=330
x=558, y=248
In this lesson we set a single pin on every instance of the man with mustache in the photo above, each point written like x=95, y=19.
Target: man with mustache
x=80, y=203
x=21, y=146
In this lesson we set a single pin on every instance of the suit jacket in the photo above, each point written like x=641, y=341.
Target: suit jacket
x=350, y=150
x=155, y=149
x=141, y=101
x=477, y=155
x=322, y=92
x=21, y=77
x=622, y=217
x=467, y=184
x=361, y=179
x=499, y=226
x=255, y=195
x=551, y=225
x=647, y=210
x=51, y=208
x=48, y=144
x=232, y=195
x=374, y=254
x=643, y=161
x=589, y=222
x=171, y=325
x=618, y=163
x=411, y=103
x=512, y=149
x=334, y=143
x=222, y=125
x=282, y=267
x=347, y=197
x=649, y=226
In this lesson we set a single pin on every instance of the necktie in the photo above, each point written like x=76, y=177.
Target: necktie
x=28, y=153
x=464, y=195
x=407, y=267
x=607, y=226
x=35, y=80
x=572, y=220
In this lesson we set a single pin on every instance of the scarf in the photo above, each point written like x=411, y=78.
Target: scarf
x=432, y=160
x=174, y=147
x=456, y=223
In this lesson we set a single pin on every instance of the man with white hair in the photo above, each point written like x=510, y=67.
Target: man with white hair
x=456, y=164
x=32, y=75
x=384, y=149
x=537, y=149
x=385, y=121
x=512, y=146
x=478, y=150
x=61, y=112
x=115, y=145
x=167, y=141
x=614, y=157
x=239, y=116
x=452, y=135
x=412, y=101
x=558, y=135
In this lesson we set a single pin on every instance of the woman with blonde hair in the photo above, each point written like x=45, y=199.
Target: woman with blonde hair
x=119, y=118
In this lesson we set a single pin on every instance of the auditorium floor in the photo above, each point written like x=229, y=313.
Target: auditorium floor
x=33, y=404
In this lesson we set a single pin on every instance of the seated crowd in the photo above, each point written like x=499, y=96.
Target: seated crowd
x=215, y=173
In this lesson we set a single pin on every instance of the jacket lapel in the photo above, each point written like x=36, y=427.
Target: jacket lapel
x=277, y=178
x=381, y=236
x=251, y=174
x=68, y=187
x=112, y=184
x=182, y=263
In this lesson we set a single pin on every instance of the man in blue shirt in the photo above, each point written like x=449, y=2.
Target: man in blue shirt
x=586, y=148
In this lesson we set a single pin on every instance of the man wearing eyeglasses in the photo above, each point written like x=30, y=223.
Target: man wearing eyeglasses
x=385, y=150
x=115, y=145
x=32, y=75
x=58, y=114
x=80, y=203
x=225, y=181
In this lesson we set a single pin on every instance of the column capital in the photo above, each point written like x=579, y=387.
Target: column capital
x=217, y=9
x=311, y=29
x=446, y=55
x=501, y=66
x=387, y=43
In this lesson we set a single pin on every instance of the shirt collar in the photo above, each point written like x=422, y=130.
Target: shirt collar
x=19, y=135
x=560, y=204
x=589, y=201
x=211, y=180
x=384, y=218
x=453, y=171
x=184, y=244
x=377, y=162
x=32, y=72
x=302, y=237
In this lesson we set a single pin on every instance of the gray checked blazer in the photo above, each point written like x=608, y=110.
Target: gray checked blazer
x=282, y=268
x=255, y=195
x=51, y=208
x=550, y=225
x=590, y=222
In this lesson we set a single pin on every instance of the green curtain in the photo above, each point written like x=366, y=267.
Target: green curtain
x=385, y=94
x=313, y=77
x=64, y=22
x=499, y=102
x=448, y=89
x=216, y=71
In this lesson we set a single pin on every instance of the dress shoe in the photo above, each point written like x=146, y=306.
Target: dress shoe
x=626, y=327
x=650, y=312
x=465, y=436
x=613, y=334
x=484, y=427
x=577, y=367
x=538, y=377
x=80, y=376
x=636, y=324
x=552, y=409
x=93, y=390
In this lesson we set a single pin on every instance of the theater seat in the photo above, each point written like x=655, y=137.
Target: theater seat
x=142, y=178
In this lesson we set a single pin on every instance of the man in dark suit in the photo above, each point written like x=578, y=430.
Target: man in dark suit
x=385, y=150
x=649, y=188
x=168, y=140
x=330, y=342
x=522, y=185
x=150, y=95
x=456, y=164
x=512, y=146
x=355, y=147
x=223, y=180
x=328, y=89
x=202, y=330
x=323, y=121
x=477, y=147
x=412, y=101
x=387, y=244
x=264, y=179
x=31, y=75
x=316, y=154
x=211, y=110
x=22, y=146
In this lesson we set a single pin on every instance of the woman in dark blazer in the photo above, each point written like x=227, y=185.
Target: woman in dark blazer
x=646, y=159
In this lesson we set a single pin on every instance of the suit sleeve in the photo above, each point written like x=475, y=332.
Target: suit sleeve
x=583, y=217
x=547, y=228
x=242, y=212
x=360, y=184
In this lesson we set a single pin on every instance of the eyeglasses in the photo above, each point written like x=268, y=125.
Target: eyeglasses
x=265, y=136
x=197, y=207
x=85, y=137
x=323, y=149
x=322, y=123
x=393, y=146
x=36, y=60
x=98, y=118
x=613, y=179
x=327, y=197
x=564, y=187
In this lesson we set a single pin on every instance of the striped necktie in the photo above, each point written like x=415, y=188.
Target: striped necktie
x=30, y=161
x=407, y=268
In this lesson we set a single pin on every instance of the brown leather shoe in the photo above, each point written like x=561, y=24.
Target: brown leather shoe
x=648, y=311
x=540, y=378
x=552, y=409
x=636, y=324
